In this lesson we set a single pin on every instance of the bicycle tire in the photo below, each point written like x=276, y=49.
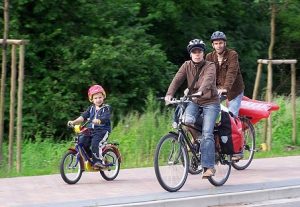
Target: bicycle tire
x=171, y=157
x=70, y=168
x=249, y=146
x=111, y=172
x=223, y=169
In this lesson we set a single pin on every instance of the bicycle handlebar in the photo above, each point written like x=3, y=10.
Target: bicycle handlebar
x=70, y=125
x=187, y=98
x=184, y=99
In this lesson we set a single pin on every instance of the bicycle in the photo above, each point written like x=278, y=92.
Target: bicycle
x=172, y=161
x=249, y=144
x=248, y=136
x=76, y=159
x=251, y=112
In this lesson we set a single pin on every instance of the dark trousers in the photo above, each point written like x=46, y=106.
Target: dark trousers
x=93, y=140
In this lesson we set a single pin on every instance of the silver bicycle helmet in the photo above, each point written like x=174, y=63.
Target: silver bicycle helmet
x=196, y=43
x=217, y=35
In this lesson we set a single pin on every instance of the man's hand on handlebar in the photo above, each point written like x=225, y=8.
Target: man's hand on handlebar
x=168, y=99
x=222, y=91
x=196, y=95
x=186, y=92
x=70, y=124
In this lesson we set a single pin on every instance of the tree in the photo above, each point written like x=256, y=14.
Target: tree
x=76, y=44
x=3, y=74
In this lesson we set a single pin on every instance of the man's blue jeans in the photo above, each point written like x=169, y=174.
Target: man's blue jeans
x=210, y=113
x=235, y=104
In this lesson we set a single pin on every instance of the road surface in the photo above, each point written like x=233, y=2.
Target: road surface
x=263, y=180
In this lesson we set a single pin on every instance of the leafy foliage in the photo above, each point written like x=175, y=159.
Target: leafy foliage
x=130, y=48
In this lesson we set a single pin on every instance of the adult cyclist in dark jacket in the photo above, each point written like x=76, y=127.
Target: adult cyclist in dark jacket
x=205, y=87
x=229, y=76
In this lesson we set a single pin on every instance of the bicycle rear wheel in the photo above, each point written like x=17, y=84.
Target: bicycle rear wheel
x=249, y=146
x=71, y=168
x=223, y=169
x=171, y=163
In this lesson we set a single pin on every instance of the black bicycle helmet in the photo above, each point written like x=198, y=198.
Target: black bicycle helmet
x=196, y=43
x=217, y=35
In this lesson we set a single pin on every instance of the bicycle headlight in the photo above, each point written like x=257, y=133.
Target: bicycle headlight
x=77, y=129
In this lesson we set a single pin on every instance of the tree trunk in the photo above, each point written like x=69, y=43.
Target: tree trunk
x=293, y=102
x=20, y=106
x=12, y=107
x=270, y=73
x=3, y=74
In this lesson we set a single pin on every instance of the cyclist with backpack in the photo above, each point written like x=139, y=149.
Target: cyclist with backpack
x=229, y=77
x=99, y=115
x=201, y=81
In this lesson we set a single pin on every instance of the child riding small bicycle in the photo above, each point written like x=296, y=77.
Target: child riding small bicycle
x=99, y=115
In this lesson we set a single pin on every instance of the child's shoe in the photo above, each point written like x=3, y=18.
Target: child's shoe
x=98, y=164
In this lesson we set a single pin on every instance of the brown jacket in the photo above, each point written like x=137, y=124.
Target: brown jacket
x=228, y=74
x=205, y=83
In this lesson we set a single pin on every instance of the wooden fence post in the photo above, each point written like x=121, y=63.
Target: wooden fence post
x=257, y=79
x=268, y=123
x=12, y=107
x=20, y=104
x=293, y=102
x=269, y=98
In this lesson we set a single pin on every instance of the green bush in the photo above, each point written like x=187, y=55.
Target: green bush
x=139, y=133
x=282, y=129
x=38, y=157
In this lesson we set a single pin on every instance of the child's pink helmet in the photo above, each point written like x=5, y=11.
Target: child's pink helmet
x=94, y=90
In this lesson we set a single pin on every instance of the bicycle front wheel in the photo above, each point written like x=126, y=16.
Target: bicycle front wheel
x=71, y=168
x=171, y=163
x=249, y=146
x=223, y=169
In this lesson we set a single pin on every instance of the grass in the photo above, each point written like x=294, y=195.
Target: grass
x=138, y=135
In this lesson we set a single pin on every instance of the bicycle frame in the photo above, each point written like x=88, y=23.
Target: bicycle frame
x=185, y=140
x=181, y=131
x=82, y=155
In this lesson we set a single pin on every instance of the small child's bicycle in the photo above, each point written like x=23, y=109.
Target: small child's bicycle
x=76, y=159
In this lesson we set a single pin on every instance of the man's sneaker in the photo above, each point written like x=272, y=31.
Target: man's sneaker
x=237, y=157
x=208, y=173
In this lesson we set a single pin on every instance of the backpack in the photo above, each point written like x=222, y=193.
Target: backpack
x=230, y=133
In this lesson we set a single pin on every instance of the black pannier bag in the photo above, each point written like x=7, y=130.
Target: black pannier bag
x=230, y=133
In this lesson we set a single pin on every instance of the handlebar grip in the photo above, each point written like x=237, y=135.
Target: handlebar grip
x=70, y=125
x=160, y=98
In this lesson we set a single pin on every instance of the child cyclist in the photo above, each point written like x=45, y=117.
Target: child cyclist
x=99, y=115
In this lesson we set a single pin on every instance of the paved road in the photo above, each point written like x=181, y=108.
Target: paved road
x=265, y=179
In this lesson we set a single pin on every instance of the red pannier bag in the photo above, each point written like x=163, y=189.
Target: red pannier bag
x=230, y=131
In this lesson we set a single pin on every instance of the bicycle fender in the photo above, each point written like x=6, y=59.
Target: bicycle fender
x=175, y=133
x=72, y=149
x=115, y=149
